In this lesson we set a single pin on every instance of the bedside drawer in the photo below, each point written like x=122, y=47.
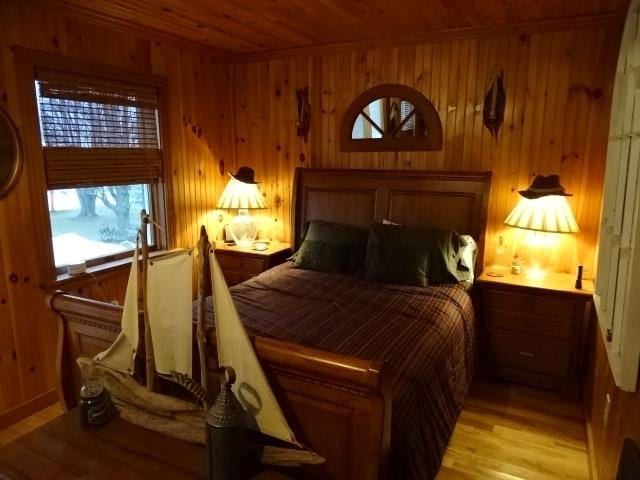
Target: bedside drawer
x=234, y=278
x=534, y=304
x=241, y=264
x=542, y=355
x=530, y=324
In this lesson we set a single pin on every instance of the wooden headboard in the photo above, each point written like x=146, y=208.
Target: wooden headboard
x=418, y=198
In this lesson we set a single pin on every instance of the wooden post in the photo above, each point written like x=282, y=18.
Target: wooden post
x=150, y=367
x=204, y=280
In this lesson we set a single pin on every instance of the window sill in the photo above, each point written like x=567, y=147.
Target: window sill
x=103, y=270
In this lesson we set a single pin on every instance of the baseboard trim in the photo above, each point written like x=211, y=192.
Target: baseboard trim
x=593, y=466
x=28, y=408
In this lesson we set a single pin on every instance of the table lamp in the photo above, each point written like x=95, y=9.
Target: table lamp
x=242, y=193
x=543, y=208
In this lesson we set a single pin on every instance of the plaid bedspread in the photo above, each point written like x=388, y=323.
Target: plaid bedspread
x=426, y=334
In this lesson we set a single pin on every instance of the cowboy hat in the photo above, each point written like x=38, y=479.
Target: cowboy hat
x=543, y=186
x=245, y=175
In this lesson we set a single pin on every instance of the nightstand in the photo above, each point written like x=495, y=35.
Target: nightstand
x=240, y=264
x=534, y=331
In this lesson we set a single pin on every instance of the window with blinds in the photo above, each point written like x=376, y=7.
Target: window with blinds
x=96, y=131
x=102, y=152
x=390, y=118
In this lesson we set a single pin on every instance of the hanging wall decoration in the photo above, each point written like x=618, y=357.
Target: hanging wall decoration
x=10, y=154
x=494, y=103
x=303, y=120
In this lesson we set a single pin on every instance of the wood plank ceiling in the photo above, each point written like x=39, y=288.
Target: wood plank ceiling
x=235, y=27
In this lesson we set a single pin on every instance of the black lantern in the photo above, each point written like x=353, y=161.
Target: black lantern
x=226, y=434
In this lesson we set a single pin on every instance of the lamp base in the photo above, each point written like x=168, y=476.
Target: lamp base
x=243, y=230
x=535, y=272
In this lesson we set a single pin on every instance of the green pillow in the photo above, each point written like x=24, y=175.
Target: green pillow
x=445, y=247
x=406, y=265
x=322, y=256
x=336, y=239
x=399, y=254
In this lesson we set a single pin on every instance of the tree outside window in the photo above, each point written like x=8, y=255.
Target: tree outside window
x=100, y=138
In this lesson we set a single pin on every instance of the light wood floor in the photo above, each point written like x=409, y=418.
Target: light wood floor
x=30, y=423
x=508, y=431
x=505, y=432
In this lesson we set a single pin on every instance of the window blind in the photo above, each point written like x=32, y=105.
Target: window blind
x=98, y=131
x=406, y=109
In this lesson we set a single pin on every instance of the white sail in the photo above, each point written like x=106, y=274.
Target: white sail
x=169, y=297
x=235, y=350
x=120, y=355
x=169, y=294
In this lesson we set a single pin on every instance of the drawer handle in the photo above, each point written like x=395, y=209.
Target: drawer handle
x=527, y=354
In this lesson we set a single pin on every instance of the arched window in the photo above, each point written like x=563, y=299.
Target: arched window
x=390, y=117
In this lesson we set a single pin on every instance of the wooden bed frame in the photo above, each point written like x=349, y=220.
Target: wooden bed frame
x=338, y=405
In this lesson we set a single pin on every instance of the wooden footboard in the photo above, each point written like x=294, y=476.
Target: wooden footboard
x=339, y=406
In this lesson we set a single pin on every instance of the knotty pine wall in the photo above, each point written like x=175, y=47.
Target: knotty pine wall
x=558, y=87
x=198, y=91
x=558, y=93
x=605, y=440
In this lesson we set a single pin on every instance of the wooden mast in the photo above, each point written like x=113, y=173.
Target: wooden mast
x=204, y=285
x=150, y=368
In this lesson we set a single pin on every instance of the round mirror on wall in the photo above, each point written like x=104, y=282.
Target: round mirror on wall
x=10, y=154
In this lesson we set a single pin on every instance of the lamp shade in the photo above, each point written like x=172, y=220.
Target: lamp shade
x=550, y=213
x=241, y=195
